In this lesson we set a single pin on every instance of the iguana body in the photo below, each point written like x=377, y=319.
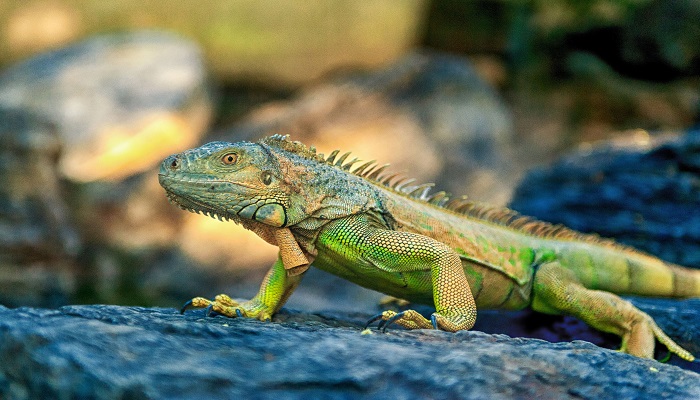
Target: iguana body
x=377, y=231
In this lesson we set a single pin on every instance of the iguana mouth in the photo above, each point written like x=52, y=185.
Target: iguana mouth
x=198, y=207
x=181, y=178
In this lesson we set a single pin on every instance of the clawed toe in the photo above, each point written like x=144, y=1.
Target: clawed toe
x=409, y=319
x=224, y=305
x=385, y=319
x=201, y=302
x=185, y=306
x=384, y=324
x=197, y=302
x=374, y=319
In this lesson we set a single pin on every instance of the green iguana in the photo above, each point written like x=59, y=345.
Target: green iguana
x=384, y=233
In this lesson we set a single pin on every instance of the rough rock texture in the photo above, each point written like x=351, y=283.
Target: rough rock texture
x=118, y=352
x=120, y=103
x=645, y=193
x=37, y=238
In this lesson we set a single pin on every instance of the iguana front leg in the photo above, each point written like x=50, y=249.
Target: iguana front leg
x=274, y=291
x=404, y=252
x=278, y=284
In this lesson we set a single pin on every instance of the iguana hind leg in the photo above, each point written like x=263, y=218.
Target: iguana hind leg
x=556, y=290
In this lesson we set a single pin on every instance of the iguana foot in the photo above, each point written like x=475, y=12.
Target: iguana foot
x=224, y=305
x=643, y=331
x=411, y=319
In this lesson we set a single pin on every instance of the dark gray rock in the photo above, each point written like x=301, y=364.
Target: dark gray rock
x=645, y=196
x=118, y=352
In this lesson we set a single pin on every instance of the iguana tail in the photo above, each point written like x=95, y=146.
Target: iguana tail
x=649, y=276
x=635, y=274
x=686, y=281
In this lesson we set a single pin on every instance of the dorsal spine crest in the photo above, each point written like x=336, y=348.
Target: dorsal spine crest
x=463, y=205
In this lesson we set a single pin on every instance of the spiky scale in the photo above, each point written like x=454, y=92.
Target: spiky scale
x=359, y=171
x=375, y=173
x=420, y=191
x=437, y=198
x=341, y=160
x=401, y=184
x=386, y=179
x=349, y=164
x=331, y=157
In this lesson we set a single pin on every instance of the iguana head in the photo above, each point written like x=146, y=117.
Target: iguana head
x=276, y=182
x=228, y=180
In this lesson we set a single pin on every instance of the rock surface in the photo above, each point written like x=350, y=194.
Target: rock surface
x=644, y=193
x=118, y=352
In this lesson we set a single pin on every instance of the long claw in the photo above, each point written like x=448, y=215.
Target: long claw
x=373, y=319
x=208, y=311
x=185, y=307
x=391, y=321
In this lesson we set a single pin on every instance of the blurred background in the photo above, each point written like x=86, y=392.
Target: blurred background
x=469, y=94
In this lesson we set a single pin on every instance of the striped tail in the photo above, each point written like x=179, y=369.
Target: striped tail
x=631, y=272
x=686, y=282
x=650, y=276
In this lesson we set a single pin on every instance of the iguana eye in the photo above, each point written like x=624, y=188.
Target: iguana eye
x=266, y=177
x=229, y=159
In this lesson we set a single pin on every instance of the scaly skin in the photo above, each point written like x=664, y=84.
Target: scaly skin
x=377, y=231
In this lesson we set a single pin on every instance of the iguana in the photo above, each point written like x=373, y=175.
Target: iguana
x=382, y=232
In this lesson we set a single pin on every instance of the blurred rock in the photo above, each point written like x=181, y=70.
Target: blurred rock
x=117, y=105
x=429, y=115
x=268, y=41
x=643, y=192
x=612, y=99
x=579, y=70
x=653, y=40
x=155, y=353
x=120, y=103
x=38, y=241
